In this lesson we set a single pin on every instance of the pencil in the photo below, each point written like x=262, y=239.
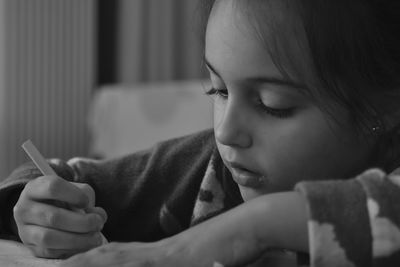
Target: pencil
x=37, y=158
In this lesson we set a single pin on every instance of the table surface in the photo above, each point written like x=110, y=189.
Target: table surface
x=14, y=254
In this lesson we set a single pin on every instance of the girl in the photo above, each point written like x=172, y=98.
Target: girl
x=305, y=97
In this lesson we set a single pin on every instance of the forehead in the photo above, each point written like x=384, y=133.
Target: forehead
x=240, y=45
x=229, y=41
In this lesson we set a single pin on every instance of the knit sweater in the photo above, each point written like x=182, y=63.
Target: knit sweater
x=156, y=193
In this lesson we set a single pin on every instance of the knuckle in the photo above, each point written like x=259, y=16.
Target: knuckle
x=51, y=218
x=19, y=215
x=18, y=211
x=42, y=237
x=51, y=185
x=89, y=192
x=30, y=186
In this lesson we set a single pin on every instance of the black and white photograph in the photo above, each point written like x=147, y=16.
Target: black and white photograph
x=199, y=133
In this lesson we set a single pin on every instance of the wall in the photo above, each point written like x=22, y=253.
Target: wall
x=158, y=41
x=2, y=91
x=46, y=77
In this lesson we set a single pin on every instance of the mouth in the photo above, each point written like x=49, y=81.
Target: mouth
x=245, y=177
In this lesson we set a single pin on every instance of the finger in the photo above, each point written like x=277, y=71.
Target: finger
x=89, y=192
x=98, y=210
x=54, y=188
x=49, y=216
x=54, y=239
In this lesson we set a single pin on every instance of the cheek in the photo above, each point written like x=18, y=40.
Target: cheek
x=310, y=149
x=218, y=111
x=218, y=114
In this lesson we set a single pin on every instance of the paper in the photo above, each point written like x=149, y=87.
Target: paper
x=15, y=254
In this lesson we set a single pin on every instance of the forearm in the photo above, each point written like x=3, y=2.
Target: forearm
x=244, y=233
x=234, y=238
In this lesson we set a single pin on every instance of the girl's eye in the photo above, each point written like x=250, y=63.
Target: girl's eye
x=278, y=113
x=217, y=92
x=275, y=112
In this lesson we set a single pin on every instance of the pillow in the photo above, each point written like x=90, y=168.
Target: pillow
x=127, y=118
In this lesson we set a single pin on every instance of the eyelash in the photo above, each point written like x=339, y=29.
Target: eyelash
x=278, y=113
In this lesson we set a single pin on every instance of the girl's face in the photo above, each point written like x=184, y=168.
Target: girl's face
x=269, y=133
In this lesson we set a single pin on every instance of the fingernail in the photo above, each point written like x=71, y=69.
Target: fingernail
x=101, y=221
x=101, y=214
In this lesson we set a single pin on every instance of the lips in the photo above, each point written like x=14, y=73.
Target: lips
x=244, y=176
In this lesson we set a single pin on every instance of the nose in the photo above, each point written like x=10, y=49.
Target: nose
x=232, y=126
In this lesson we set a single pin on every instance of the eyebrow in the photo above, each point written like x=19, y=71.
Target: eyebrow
x=261, y=79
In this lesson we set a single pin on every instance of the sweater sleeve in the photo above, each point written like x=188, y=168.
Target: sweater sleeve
x=134, y=190
x=354, y=222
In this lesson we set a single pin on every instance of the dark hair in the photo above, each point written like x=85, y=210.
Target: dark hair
x=354, y=48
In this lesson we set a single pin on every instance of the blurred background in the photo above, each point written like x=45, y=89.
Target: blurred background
x=98, y=78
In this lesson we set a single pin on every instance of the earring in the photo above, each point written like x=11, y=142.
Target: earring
x=376, y=129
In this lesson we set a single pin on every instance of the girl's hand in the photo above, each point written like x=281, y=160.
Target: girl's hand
x=50, y=219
